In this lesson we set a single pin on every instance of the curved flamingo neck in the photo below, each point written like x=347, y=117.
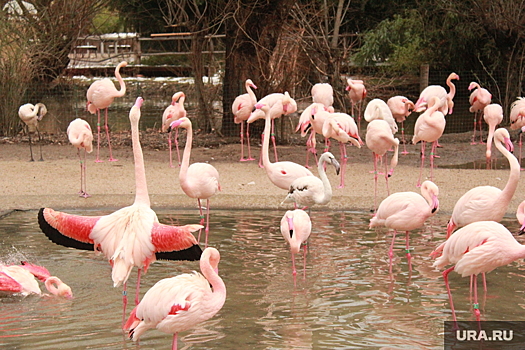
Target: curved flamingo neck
x=52, y=284
x=452, y=87
x=514, y=176
x=266, y=141
x=122, y=90
x=186, y=155
x=327, y=193
x=141, y=185
x=253, y=98
x=210, y=273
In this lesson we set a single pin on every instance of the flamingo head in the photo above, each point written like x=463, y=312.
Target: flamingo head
x=261, y=109
x=289, y=219
x=56, y=287
x=250, y=83
x=333, y=161
x=473, y=85
x=176, y=97
x=184, y=122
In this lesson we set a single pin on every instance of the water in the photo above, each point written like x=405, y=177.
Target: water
x=347, y=301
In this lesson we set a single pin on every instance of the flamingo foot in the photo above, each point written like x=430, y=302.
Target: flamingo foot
x=112, y=160
x=405, y=152
x=243, y=160
x=251, y=158
x=84, y=194
x=99, y=161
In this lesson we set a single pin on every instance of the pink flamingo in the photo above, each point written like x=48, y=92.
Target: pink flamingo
x=199, y=180
x=401, y=107
x=323, y=93
x=173, y=112
x=493, y=115
x=100, y=95
x=310, y=190
x=487, y=202
x=517, y=119
x=20, y=279
x=406, y=211
x=357, y=93
x=296, y=228
x=310, y=121
x=31, y=115
x=81, y=137
x=479, y=247
x=179, y=303
x=281, y=174
x=428, y=128
x=479, y=99
x=439, y=91
x=341, y=127
x=131, y=236
x=242, y=107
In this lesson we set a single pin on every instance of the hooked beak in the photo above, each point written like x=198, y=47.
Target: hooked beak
x=435, y=205
x=174, y=124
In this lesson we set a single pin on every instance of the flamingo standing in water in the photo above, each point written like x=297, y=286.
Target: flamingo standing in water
x=296, y=227
x=242, y=107
x=406, y=211
x=179, y=303
x=479, y=247
x=281, y=174
x=479, y=99
x=428, y=128
x=173, y=112
x=517, y=119
x=401, y=107
x=31, y=115
x=357, y=93
x=311, y=190
x=488, y=202
x=493, y=115
x=100, y=95
x=81, y=137
x=20, y=279
x=131, y=236
x=199, y=180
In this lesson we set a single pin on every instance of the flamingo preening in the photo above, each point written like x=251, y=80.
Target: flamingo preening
x=401, y=107
x=479, y=99
x=81, y=137
x=242, y=107
x=174, y=112
x=493, y=115
x=31, y=115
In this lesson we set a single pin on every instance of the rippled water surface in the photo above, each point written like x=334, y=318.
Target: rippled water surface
x=348, y=300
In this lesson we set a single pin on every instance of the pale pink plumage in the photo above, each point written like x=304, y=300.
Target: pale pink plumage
x=100, y=95
x=406, y=211
x=401, y=107
x=242, y=107
x=281, y=174
x=493, y=115
x=323, y=93
x=487, y=202
x=131, y=236
x=479, y=99
x=517, y=120
x=296, y=227
x=445, y=98
x=520, y=215
x=198, y=180
x=311, y=120
x=80, y=135
x=31, y=115
x=20, y=279
x=174, y=112
x=179, y=303
x=479, y=247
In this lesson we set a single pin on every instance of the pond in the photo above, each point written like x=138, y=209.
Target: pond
x=347, y=299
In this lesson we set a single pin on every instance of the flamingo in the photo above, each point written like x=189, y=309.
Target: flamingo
x=20, y=279
x=323, y=93
x=242, y=107
x=493, y=115
x=31, y=115
x=479, y=247
x=439, y=91
x=401, y=107
x=131, y=236
x=517, y=118
x=380, y=138
x=173, y=112
x=487, y=202
x=406, y=211
x=357, y=94
x=296, y=227
x=281, y=174
x=179, y=303
x=309, y=121
x=520, y=215
x=199, y=180
x=81, y=137
x=100, y=95
x=342, y=127
x=479, y=99
x=311, y=190
x=428, y=128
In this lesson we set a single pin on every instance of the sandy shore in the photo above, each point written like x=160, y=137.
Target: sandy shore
x=55, y=181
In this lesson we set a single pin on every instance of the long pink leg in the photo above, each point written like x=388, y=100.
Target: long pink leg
x=343, y=165
x=403, y=138
x=407, y=250
x=174, y=343
x=308, y=149
x=473, y=142
x=387, y=175
x=98, y=138
x=422, y=163
x=477, y=313
x=242, y=143
x=207, y=222
x=169, y=145
x=260, y=155
x=432, y=150
x=480, y=127
x=304, y=260
x=445, y=277
x=81, y=192
x=391, y=250
x=124, y=302
x=273, y=140
x=83, y=187
x=294, y=271
x=176, y=140
x=111, y=159
x=137, y=291
x=248, y=142
x=375, y=181
x=201, y=215
x=520, y=144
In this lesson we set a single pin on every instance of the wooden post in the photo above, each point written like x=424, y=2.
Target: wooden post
x=136, y=49
x=423, y=76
